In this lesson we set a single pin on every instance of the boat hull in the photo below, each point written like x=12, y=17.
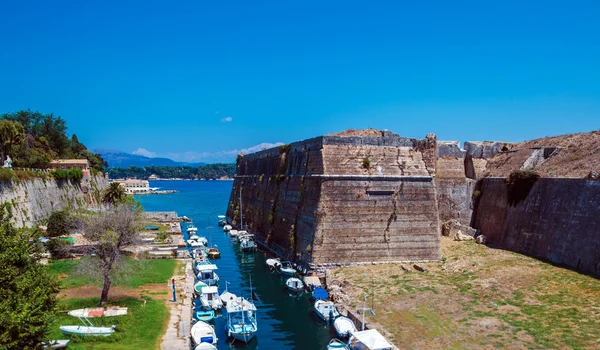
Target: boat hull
x=87, y=331
x=244, y=337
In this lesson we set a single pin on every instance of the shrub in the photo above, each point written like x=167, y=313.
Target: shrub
x=519, y=183
x=59, y=248
x=58, y=223
x=366, y=163
x=6, y=174
x=74, y=174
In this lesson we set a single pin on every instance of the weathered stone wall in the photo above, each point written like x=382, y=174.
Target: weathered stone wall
x=558, y=221
x=34, y=200
x=316, y=201
x=454, y=188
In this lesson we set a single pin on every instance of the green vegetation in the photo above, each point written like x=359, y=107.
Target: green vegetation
x=519, y=183
x=27, y=290
x=142, y=328
x=6, y=174
x=138, y=272
x=59, y=248
x=208, y=172
x=366, y=163
x=33, y=139
x=59, y=223
x=114, y=193
x=74, y=174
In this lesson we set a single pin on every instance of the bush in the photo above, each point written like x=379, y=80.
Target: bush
x=6, y=174
x=73, y=174
x=519, y=183
x=59, y=248
x=59, y=223
x=366, y=163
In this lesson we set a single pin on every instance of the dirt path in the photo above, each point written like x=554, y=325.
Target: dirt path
x=158, y=291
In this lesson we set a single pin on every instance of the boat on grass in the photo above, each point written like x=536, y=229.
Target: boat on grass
x=287, y=269
x=241, y=320
x=370, y=339
x=99, y=312
x=336, y=344
x=202, y=332
x=56, y=344
x=294, y=284
x=326, y=310
x=204, y=315
x=344, y=327
x=88, y=329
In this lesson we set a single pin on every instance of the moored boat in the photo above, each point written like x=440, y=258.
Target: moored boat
x=233, y=233
x=214, y=253
x=209, y=297
x=273, y=263
x=207, y=274
x=287, y=269
x=205, y=346
x=370, y=339
x=227, y=228
x=241, y=320
x=294, y=284
x=336, y=344
x=344, y=327
x=202, y=332
x=326, y=310
x=204, y=315
x=247, y=243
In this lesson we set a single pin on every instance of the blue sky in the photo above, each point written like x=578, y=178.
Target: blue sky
x=202, y=80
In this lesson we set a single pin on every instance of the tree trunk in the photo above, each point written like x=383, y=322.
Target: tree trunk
x=105, y=288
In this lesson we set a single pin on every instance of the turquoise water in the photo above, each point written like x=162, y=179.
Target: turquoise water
x=284, y=321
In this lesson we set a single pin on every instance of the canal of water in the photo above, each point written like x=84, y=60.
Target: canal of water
x=284, y=321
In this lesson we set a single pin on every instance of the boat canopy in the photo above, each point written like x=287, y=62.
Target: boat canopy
x=206, y=267
x=239, y=305
x=372, y=339
x=210, y=290
x=320, y=294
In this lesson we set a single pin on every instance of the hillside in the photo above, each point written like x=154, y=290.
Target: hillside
x=118, y=159
x=207, y=171
x=573, y=155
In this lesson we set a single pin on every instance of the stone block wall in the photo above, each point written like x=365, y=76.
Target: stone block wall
x=559, y=221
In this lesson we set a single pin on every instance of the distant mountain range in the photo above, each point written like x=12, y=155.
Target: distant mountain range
x=119, y=159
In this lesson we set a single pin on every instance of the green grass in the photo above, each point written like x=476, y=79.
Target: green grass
x=141, y=328
x=139, y=272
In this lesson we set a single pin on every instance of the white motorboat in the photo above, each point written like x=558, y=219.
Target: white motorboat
x=241, y=320
x=207, y=274
x=273, y=263
x=227, y=296
x=205, y=346
x=227, y=228
x=194, y=237
x=336, y=344
x=294, y=284
x=287, y=269
x=209, y=297
x=202, y=332
x=196, y=244
x=241, y=234
x=191, y=230
x=370, y=339
x=87, y=330
x=326, y=310
x=233, y=233
x=56, y=344
x=344, y=327
x=99, y=312
x=247, y=243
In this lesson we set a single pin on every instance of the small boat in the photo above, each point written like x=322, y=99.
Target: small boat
x=241, y=234
x=192, y=228
x=87, y=329
x=152, y=227
x=247, y=243
x=165, y=248
x=148, y=239
x=204, y=315
x=185, y=219
x=241, y=320
x=199, y=285
x=320, y=294
x=370, y=339
x=194, y=237
x=233, y=233
x=336, y=344
x=99, y=312
x=222, y=220
x=344, y=327
x=205, y=346
x=202, y=332
x=209, y=297
x=227, y=296
x=227, y=228
x=56, y=344
x=196, y=244
x=214, y=253
x=287, y=269
x=207, y=274
x=294, y=284
x=273, y=263
x=203, y=240
x=326, y=310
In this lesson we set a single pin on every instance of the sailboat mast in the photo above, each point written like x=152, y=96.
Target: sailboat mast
x=241, y=211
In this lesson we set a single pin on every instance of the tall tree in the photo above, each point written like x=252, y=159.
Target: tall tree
x=27, y=290
x=111, y=231
x=11, y=134
x=113, y=194
x=76, y=146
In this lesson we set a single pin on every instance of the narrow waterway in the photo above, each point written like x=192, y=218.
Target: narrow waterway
x=285, y=321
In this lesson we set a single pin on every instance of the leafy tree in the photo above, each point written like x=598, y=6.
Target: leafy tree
x=27, y=290
x=11, y=134
x=59, y=248
x=114, y=194
x=76, y=146
x=111, y=231
x=59, y=223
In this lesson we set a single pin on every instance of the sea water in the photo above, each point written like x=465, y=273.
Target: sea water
x=285, y=321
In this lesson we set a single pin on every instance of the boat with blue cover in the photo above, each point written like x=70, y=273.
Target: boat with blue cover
x=202, y=332
x=241, y=320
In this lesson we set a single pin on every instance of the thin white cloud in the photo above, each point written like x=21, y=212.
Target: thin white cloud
x=144, y=152
x=226, y=120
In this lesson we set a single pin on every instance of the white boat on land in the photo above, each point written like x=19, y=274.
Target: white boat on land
x=202, y=332
x=56, y=344
x=294, y=284
x=87, y=329
x=209, y=297
x=370, y=339
x=99, y=312
x=227, y=228
x=287, y=269
x=344, y=327
x=326, y=310
x=241, y=320
x=207, y=274
x=273, y=263
x=336, y=344
x=205, y=346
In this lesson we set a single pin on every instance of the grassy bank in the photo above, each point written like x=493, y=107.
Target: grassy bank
x=137, y=273
x=142, y=328
x=479, y=297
